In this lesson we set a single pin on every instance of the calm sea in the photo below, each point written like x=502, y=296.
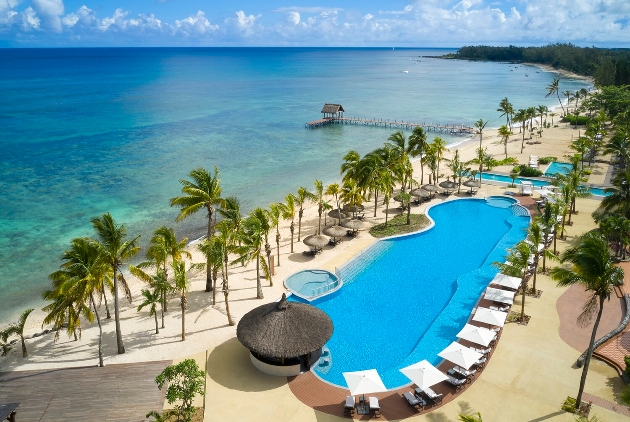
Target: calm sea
x=85, y=131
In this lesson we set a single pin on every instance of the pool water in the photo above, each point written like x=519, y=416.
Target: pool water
x=557, y=167
x=536, y=182
x=405, y=299
x=309, y=283
x=500, y=201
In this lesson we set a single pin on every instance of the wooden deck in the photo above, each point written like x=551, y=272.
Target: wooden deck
x=393, y=124
x=124, y=392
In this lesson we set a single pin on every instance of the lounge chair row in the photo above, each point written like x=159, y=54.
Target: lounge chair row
x=372, y=406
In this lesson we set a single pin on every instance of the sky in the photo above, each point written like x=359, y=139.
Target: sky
x=361, y=23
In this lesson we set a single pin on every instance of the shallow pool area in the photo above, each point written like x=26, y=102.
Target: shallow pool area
x=502, y=178
x=557, y=167
x=404, y=299
x=312, y=284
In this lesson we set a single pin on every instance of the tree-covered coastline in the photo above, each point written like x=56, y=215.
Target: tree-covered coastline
x=606, y=66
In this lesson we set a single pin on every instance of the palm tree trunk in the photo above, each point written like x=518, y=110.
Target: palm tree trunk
x=183, y=305
x=319, y=221
x=215, y=276
x=157, y=330
x=589, y=354
x=536, y=258
x=375, y=205
x=386, y=212
x=268, y=251
x=278, y=244
x=162, y=307
x=100, y=333
x=259, y=292
x=119, y=340
x=409, y=213
x=208, y=264
x=300, y=223
x=164, y=293
x=292, y=227
x=24, y=352
x=523, y=300
x=523, y=143
x=107, y=314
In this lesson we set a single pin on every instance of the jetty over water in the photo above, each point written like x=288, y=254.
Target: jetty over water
x=333, y=114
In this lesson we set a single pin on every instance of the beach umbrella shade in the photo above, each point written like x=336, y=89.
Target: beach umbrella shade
x=353, y=208
x=430, y=188
x=364, y=382
x=398, y=197
x=337, y=214
x=334, y=231
x=490, y=316
x=544, y=192
x=353, y=224
x=423, y=374
x=315, y=241
x=507, y=281
x=471, y=183
x=460, y=355
x=477, y=335
x=448, y=185
x=498, y=295
x=420, y=193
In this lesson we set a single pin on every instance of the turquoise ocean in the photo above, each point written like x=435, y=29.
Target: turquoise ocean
x=86, y=131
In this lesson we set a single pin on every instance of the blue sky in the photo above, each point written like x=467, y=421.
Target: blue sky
x=422, y=23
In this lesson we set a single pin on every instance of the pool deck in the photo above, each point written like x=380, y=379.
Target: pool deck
x=529, y=375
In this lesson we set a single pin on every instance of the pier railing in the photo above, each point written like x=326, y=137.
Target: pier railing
x=453, y=129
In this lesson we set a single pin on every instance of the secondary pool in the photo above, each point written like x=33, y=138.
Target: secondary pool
x=405, y=298
x=502, y=178
x=310, y=284
x=557, y=167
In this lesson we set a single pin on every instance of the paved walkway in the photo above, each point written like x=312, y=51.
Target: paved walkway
x=125, y=392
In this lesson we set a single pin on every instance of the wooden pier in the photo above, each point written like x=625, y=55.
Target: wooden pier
x=333, y=114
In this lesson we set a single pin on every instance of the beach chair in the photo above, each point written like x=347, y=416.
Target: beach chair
x=432, y=395
x=416, y=402
x=375, y=407
x=348, y=408
x=481, y=363
x=456, y=382
x=464, y=372
x=482, y=351
x=504, y=308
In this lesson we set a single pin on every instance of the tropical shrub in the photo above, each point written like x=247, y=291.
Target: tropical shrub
x=185, y=380
x=547, y=160
x=627, y=362
x=527, y=171
x=581, y=120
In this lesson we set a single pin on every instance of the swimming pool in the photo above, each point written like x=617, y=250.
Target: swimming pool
x=536, y=182
x=557, y=167
x=310, y=284
x=405, y=298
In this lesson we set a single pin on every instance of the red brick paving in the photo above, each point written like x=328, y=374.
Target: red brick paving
x=598, y=401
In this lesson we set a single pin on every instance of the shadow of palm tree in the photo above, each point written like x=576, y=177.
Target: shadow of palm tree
x=229, y=365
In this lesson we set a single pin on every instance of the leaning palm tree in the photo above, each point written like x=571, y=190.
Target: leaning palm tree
x=303, y=196
x=480, y=125
x=504, y=133
x=288, y=213
x=203, y=192
x=553, y=88
x=593, y=268
x=17, y=329
x=115, y=249
x=151, y=299
x=182, y=285
x=517, y=265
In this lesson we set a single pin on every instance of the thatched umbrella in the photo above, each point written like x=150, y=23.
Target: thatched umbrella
x=353, y=224
x=430, y=188
x=447, y=185
x=334, y=231
x=337, y=214
x=353, y=208
x=315, y=241
x=284, y=329
x=472, y=183
x=420, y=193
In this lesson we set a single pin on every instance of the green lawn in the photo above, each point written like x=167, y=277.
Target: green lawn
x=398, y=225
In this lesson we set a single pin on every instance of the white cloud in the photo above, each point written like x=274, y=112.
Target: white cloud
x=29, y=19
x=195, y=25
x=308, y=9
x=406, y=10
x=368, y=16
x=293, y=17
x=50, y=12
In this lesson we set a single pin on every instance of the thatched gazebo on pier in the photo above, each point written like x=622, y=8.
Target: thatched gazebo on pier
x=284, y=337
x=332, y=111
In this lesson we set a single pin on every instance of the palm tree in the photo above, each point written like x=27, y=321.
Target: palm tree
x=552, y=114
x=618, y=199
x=351, y=194
x=252, y=243
x=517, y=265
x=504, y=133
x=553, y=88
x=115, y=250
x=470, y=418
x=349, y=166
x=17, y=329
x=288, y=213
x=569, y=96
x=593, y=268
x=369, y=175
x=432, y=162
x=521, y=117
x=274, y=214
x=161, y=285
x=151, y=299
x=182, y=285
x=542, y=110
x=537, y=234
x=303, y=196
x=418, y=146
x=401, y=150
x=203, y=192
x=506, y=108
x=334, y=189
x=439, y=148
x=227, y=240
x=480, y=125
x=81, y=277
x=459, y=169
x=318, y=198
x=213, y=251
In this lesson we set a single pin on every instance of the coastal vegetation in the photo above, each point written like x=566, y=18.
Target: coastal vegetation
x=398, y=225
x=185, y=381
x=606, y=66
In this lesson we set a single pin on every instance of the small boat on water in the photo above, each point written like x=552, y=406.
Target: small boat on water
x=405, y=71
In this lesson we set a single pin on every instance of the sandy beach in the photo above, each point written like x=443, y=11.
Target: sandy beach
x=206, y=324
